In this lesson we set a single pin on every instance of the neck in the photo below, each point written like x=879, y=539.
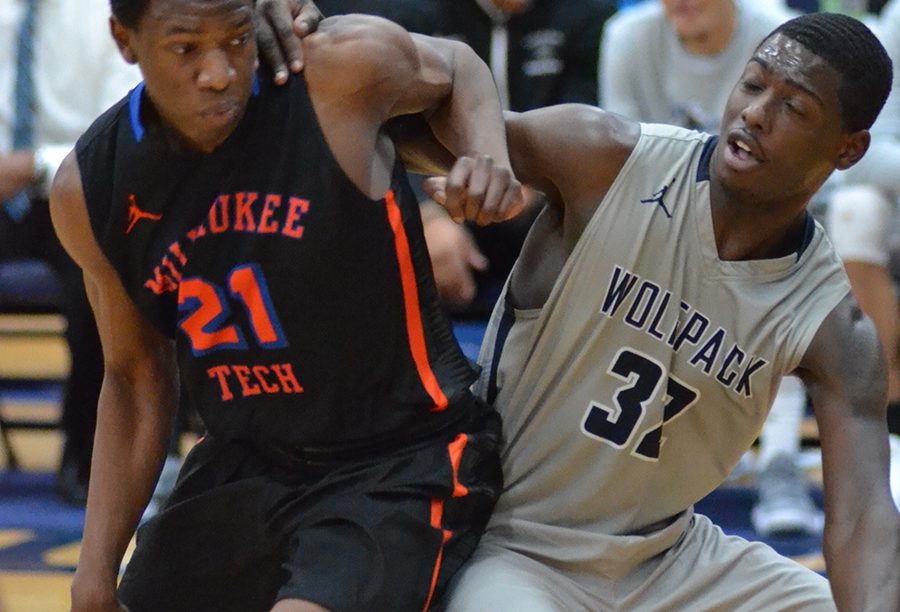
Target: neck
x=748, y=228
x=716, y=39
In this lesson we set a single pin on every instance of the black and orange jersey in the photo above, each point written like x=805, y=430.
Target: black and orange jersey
x=303, y=311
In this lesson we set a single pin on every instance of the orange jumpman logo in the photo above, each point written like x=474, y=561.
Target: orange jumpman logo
x=135, y=214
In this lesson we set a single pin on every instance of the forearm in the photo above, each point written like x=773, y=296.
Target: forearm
x=862, y=557
x=133, y=424
x=470, y=121
x=421, y=152
x=844, y=375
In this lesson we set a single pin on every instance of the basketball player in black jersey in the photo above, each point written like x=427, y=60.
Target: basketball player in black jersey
x=260, y=247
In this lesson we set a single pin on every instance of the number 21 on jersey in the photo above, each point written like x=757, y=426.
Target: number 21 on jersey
x=206, y=312
x=618, y=424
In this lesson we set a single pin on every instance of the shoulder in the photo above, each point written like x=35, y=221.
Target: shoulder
x=357, y=39
x=66, y=187
x=68, y=212
x=576, y=130
x=663, y=143
x=571, y=152
x=352, y=55
x=845, y=353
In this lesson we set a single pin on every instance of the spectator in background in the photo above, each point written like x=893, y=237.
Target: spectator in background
x=674, y=61
x=862, y=213
x=58, y=70
x=541, y=52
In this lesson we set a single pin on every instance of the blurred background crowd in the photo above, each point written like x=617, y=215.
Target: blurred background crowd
x=671, y=61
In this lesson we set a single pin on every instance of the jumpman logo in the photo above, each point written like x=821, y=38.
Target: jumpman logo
x=135, y=214
x=657, y=198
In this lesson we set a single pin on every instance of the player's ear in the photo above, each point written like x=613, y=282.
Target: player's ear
x=123, y=38
x=854, y=147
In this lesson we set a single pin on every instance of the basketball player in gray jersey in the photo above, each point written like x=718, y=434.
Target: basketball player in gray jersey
x=672, y=281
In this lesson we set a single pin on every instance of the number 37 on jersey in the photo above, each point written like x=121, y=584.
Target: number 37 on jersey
x=622, y=423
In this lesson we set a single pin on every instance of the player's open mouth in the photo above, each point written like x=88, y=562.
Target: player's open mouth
x=742, y=152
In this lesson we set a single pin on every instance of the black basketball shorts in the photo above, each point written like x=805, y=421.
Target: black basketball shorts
x=383, y=533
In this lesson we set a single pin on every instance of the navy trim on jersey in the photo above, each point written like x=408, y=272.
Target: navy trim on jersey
x=705, y=158
x=506, y=323
x=134, y=106
x=809, y=230
x=809, y=226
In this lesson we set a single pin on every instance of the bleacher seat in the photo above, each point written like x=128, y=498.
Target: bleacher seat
x=29, y=308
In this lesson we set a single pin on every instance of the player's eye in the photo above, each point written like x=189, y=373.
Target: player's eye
x=181, y=48
x=241, y=40
x=795, y=107
x=751, y=86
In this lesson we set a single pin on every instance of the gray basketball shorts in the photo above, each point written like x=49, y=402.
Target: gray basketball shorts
x=704, y=570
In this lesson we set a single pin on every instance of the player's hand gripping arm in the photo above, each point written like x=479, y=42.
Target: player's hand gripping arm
x=468, y=121
x=844, y=374
x=363, y=71
x=279, y=26
x=135, y=411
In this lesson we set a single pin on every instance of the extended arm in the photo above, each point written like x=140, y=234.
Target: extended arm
x=136, y=407
x=571, y=153
x=363, y=71
x=844, y=374
x=279, y=26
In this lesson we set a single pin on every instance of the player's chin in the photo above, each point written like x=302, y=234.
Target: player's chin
x=222, y=116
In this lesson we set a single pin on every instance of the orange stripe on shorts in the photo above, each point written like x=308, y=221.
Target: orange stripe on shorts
x=437, y=513
x=411, y=304
x=455, y=451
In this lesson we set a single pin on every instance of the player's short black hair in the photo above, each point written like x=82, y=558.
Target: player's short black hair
x=129, y=12
x=853, y=50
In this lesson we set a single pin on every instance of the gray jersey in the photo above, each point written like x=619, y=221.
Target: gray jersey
x=650, y=369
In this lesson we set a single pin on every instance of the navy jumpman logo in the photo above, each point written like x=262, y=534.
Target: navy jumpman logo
x=657, y=198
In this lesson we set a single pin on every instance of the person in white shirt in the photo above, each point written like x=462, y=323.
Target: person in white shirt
x=76, y=74
x=674, y=61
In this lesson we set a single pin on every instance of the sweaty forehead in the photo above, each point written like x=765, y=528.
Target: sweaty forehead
x=782, y=54
x=795, y=63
